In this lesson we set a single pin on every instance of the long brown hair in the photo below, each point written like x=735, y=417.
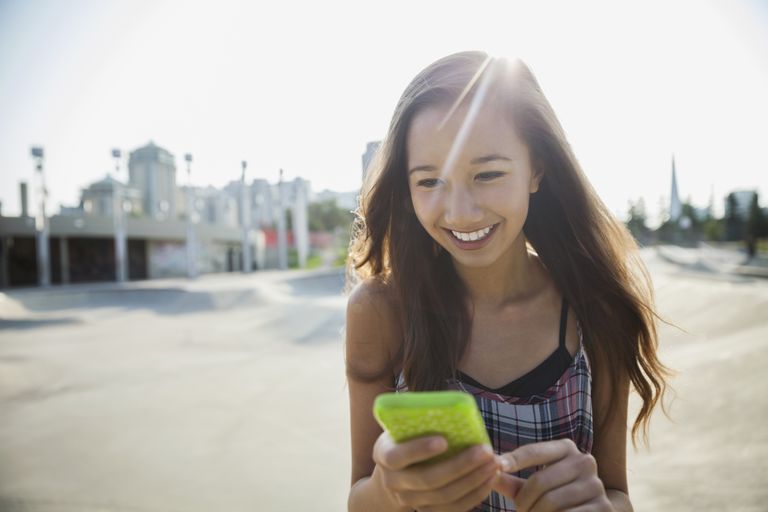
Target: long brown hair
x=591, y=256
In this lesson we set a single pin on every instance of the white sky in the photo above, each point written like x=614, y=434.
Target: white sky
x=304, y=85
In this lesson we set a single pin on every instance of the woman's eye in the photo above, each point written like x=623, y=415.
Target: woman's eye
x=488, y=176
x=428, y=183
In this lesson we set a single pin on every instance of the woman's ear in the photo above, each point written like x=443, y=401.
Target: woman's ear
x=536, y=178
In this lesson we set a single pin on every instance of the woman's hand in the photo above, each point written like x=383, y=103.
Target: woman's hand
x=456, y=484
x=568, y=480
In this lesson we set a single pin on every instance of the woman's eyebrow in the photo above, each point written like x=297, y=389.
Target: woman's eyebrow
x=489, y=158
x=425, y=168
x=479, y=160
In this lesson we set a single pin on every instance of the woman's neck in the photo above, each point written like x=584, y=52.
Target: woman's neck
x=510, y=280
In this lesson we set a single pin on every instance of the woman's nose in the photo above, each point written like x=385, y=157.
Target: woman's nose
x=462, y=209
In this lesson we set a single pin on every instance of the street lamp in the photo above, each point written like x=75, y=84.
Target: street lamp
x=245, y=221
x=191, y=264
x=282, y=237
x=41, y=222
x=121, y=274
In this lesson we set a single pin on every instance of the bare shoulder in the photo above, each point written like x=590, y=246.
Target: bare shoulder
x=371, y=292
x=372, y=327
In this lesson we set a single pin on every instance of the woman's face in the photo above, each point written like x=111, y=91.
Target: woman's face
x=475, y=203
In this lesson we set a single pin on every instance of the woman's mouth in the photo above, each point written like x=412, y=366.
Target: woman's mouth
x=472, y=239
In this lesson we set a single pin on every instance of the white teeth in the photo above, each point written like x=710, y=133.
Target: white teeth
x=473, y=236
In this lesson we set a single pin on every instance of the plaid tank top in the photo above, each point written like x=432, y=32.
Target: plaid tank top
x=563, y=410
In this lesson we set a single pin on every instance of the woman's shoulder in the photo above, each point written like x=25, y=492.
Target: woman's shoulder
x=372, y=291
x=373, y=332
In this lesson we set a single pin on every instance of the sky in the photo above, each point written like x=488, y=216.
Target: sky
x=303, y=86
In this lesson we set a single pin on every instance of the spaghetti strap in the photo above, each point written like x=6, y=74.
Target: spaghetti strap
x=563, y=321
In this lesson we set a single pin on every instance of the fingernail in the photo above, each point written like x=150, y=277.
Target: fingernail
x=437, y=445
x=506, y=466
x=482, y=453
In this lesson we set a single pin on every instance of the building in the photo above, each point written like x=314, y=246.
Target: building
x=345, y=200
x=263, y=210
x=169, y=231
x=263, y=204
x=70, y=210
x=99, y=198
x=743, y=201
x=370, y=151
x=265, y=198
x=152, y=170
x=210, y=206
x=82, y=249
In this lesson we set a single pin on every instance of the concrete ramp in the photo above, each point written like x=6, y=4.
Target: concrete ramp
x=11, y=309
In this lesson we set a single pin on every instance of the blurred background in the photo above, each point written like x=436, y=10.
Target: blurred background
x=176, y=187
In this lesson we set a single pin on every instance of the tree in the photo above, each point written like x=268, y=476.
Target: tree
x=689, y=211
x=714, y=229
x=691, y=227
x=327, y=216
x=636, y=221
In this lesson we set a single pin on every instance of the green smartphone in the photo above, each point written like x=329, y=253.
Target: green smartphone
x=451, y=414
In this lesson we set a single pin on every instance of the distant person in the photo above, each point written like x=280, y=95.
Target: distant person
x=751, y=243
x=484, y=261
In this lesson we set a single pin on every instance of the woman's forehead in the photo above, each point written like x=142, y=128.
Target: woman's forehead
x=431, y=135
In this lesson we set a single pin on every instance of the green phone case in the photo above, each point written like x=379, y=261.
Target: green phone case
x=451, y=414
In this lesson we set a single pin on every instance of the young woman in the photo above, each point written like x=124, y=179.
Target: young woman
x=485, y=262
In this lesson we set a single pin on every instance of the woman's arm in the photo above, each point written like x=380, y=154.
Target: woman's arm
x=385, y=474
x=371, y=338
x=610, y=447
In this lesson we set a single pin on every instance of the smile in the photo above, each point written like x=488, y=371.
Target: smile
x=472, y=236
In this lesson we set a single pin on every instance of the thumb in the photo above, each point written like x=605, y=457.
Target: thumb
x=508, y=485
x=395, y=456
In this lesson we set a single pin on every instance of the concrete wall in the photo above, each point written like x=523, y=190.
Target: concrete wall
x=213, y=257
x=218, y=247
x=166, y=259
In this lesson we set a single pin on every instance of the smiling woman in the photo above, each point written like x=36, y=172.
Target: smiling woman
x=485, y=263
x=481, y=200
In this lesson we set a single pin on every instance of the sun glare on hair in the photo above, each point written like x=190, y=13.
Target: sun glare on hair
x=482, y=80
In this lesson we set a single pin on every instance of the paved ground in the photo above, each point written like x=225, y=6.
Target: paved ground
x=228, y=393
x=712, y=453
